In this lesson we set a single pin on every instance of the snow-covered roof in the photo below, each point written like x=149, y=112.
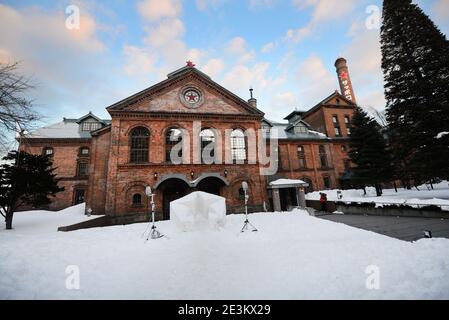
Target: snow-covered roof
x=283, y=133
x=66, y=129
x=288, y=183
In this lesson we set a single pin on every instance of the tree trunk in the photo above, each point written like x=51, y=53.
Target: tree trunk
x=395, y=187
x=8, y=220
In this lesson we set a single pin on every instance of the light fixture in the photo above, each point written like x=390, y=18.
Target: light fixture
x=247, y=225
x=155, y=176
x=192, y=174
x=226, y=172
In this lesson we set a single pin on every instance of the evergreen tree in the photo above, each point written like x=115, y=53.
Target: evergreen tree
x=25, y=179
x=369, y=152
x=415, y=62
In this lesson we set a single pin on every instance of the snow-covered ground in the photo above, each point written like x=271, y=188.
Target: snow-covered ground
x=424, y=197
x=293, y=256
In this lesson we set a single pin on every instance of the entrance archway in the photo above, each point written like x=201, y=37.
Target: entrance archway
x=211, y=185
x=172, y=189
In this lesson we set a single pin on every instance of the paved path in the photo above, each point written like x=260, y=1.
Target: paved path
x=408, y=229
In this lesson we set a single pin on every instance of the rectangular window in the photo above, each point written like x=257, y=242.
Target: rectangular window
x=349, y=131
x=327, y=182
x=90, y=126
x=83, y=169
x=337, y=132
x=335, y=120
x=347, y=119
x=323, y=157
x=302, y=157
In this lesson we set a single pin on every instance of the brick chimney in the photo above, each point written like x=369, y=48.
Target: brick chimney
x=252, y=101
x=344, y=79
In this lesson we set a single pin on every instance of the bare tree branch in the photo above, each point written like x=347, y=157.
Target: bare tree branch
x=16, y=109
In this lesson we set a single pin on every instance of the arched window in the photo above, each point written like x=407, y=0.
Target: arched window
x=172, y=138
x=48, y=151
x=140, y=143
x=302, y=157
x=137, y=199
x=323, y=157
x=238, y=146
x=207, y=139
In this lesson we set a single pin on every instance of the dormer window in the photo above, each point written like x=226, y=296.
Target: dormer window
x=301, y=129
x=90, y=126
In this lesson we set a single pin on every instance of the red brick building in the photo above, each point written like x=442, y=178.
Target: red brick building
x=108, y=163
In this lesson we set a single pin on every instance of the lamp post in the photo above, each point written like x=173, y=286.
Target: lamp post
x=154, y=233
x=247, y=224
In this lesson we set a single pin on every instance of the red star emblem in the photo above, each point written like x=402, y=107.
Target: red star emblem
x=344, y=75
x=191, y=97
x=190, y=64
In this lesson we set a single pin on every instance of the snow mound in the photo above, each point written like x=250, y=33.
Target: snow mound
x=199, y=211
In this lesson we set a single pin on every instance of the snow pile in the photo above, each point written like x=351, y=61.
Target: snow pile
x=293, y=256
x=199, y=211
x=413, y=198
x=40, y=221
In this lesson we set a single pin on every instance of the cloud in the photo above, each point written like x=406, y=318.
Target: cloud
x=364, y=60
x=268, y=47
x=238, y=46
x=441, y=8
x=65, y=64
x=162, y=49
x=261, y=3
x=314, y=80
x=155, y=10
x=323, y=10
x=138, y=61
x=213, y=67
x=204, y=5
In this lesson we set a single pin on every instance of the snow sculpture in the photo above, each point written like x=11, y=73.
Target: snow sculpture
x=199, y=211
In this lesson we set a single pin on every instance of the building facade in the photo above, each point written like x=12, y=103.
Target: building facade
x=188, y=133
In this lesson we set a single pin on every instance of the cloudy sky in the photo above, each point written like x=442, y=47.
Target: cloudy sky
x=284, y=49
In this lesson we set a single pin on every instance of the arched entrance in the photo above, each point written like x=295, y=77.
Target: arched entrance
x=211, y=185
x=172, y=189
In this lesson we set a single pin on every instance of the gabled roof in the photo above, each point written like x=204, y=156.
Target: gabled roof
x=66, y=129
x=292, y=125
x=283, y=133
x=326, y=100
x=294, y=113
x=91, y=115
x=179, y=75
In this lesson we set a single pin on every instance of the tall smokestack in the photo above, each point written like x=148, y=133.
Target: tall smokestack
x=344, y=79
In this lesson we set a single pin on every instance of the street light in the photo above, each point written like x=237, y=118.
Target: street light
x=247, y=224
x=154, y=233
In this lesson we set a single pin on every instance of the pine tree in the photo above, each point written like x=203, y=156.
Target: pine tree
x=369, y=152
x=415, y=62
x=25, y=179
